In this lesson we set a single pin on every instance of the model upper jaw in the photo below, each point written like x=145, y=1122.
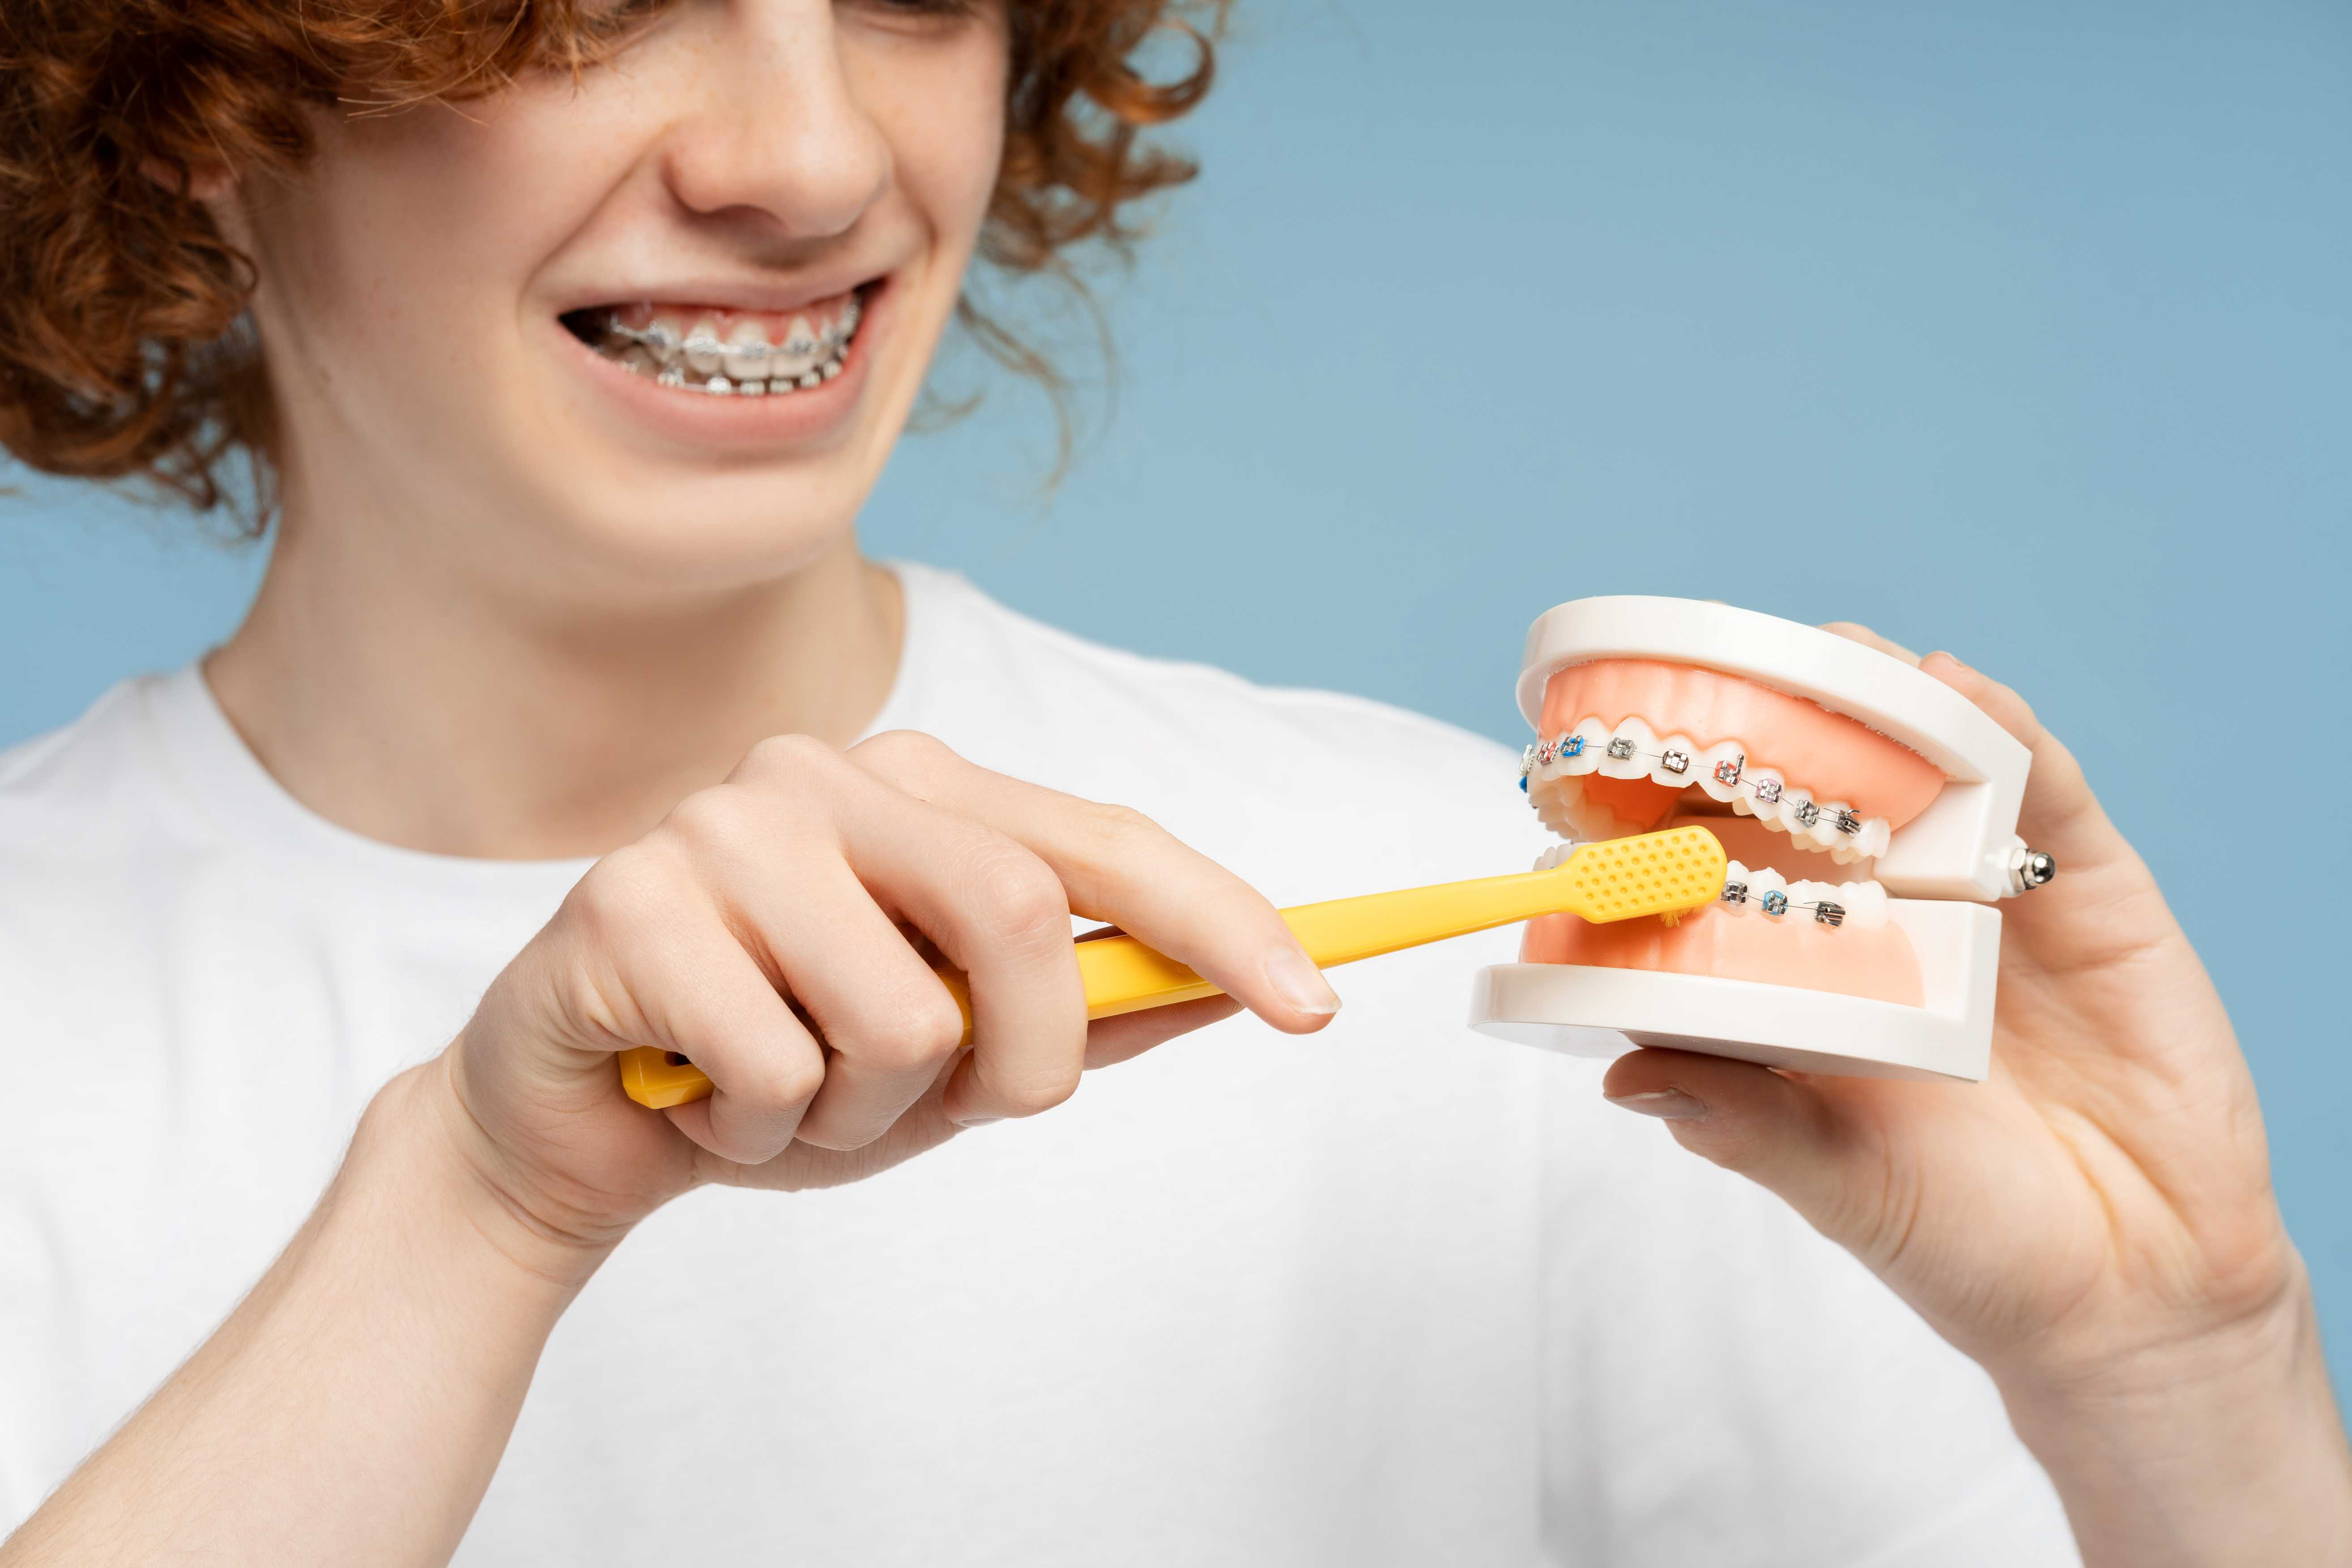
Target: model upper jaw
x=1627, y=743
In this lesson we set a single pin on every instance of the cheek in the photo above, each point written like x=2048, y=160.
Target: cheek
x=410, y=237
x=943, y=115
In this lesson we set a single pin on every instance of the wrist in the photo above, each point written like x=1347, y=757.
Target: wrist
x=420, y=1123
x=2225, y=1446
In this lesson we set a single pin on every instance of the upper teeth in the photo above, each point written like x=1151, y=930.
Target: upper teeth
x=744, y=359
x=1723, y=771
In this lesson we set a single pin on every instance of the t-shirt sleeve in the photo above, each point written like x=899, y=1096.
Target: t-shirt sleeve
x=1725, y=1386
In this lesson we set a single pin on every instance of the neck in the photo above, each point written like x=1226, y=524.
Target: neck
x=426, y=710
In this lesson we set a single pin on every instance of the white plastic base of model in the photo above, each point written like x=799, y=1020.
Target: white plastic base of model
x=1959, y=847
x=1592, y=1012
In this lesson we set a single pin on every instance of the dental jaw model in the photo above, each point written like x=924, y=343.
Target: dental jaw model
x=1869, y=810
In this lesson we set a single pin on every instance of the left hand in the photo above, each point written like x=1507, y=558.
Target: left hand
x=2100, y=1209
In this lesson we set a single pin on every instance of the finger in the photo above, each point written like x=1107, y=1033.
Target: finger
x=885, y=1013
x=1780, y=1133
x=999, y=914
x=2060, y=813
x=1119, y=866
x=1113, y=1040
x=1855, y=631
x=673, y=977
x=994, y=909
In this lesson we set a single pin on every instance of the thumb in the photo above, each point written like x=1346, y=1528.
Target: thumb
x=1782, y=1133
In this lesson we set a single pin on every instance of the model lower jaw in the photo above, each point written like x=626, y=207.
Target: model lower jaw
x=727, y=353
x=1632, y=744
x=1727, y=944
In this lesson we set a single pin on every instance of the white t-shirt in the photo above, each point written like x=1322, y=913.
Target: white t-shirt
x=1393, y=1294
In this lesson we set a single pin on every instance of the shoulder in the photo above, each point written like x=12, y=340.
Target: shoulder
x=89, y=784
x=1216, y=756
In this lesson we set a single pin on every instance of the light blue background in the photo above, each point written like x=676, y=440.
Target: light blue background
x=2017, y=328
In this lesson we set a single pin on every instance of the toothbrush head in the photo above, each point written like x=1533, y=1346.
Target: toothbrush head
x=1667, y=874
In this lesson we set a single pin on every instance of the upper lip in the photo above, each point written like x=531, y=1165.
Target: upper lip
x=774, y=295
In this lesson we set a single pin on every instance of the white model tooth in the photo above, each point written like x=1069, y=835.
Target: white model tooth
x=1738, y=876
x=747, y=351
x=1764, y=795
x=1708, y=770
x=704, y=352
x=1574, y=760
x=1638, y=739
x=1561, y=805
x=1553, y=856
x=1865, y=904
x=1794, y=809
x=1595, y=735
x=1675, y=761
x=1761, y=883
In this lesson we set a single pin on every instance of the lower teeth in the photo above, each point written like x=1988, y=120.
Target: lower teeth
x=718, y=385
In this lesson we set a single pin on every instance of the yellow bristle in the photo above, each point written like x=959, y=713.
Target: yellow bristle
x=1650, y=874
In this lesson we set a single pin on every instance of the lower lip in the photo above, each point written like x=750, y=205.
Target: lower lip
x=807, y=417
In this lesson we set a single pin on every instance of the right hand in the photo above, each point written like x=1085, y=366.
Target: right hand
x=763, y=930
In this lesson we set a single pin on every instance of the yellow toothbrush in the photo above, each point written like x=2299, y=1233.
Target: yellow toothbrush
x=1651, y=874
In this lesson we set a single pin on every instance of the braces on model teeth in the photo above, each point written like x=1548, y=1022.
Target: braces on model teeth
x=1722, y=771
x=742, y=366
x=1862, y=904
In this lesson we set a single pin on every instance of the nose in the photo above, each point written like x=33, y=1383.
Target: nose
x=777, y=127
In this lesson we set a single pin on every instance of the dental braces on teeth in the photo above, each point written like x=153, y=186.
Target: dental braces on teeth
x=1729, y=773
x=1775, y=902
x=666, y=345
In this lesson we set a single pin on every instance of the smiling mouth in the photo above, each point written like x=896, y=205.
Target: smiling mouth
x=707, y=351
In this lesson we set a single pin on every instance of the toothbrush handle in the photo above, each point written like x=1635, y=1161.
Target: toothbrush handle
x=1123, y=975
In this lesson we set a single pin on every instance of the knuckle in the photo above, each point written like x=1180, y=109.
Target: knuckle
x=924, y=1031
x=896, y=749
x=1118, y=843
x=786, y=760
x=781, y=1080
x=1118, y=826
x=624, y=889
x=712, y=822
x=1023, y=899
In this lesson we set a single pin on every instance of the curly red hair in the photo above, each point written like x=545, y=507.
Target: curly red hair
x=123, y=349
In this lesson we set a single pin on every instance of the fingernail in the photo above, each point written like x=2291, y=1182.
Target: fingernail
x=1668, y=1104
x=976, y=1121
x=1300, y=984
